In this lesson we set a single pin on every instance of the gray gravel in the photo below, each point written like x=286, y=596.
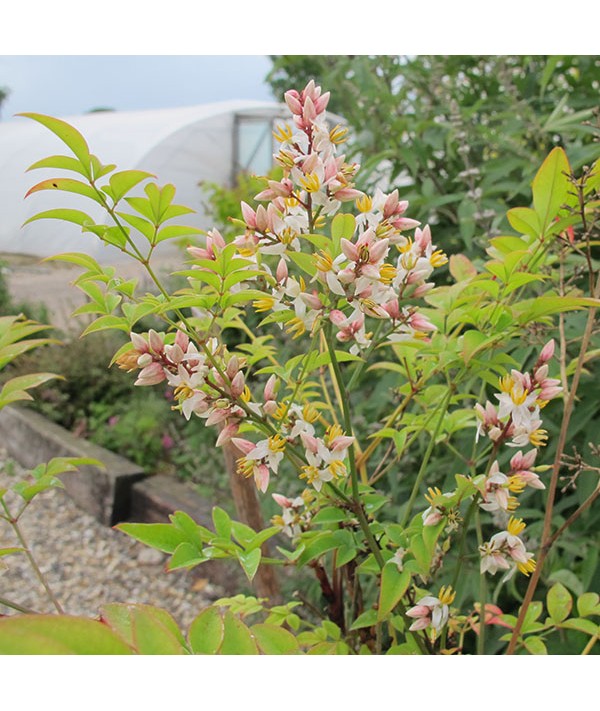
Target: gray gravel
x=87, y=564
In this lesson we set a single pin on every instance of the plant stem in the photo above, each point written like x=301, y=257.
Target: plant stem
x=562, y=439
x=423, y=468
x=482, y=591
x=36, y=569
x=17, y=607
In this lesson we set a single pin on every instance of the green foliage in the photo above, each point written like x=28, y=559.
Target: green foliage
x=463, y=130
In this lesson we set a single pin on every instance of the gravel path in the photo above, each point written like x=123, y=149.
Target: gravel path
x=87, y=564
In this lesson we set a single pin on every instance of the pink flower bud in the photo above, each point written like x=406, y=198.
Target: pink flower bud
x=262, y=220
x=238, y=384
x=156, y=341
x=182, y=340
x=282, y=501
x=227, y=433
x=261, y=477
x=312, y=301
x=282, y=271
x=151, y=375
x=292, y=100
x=139, y=342
x=244, y=445
x=270, y=407
x=337, y=317
x=310, y=443
x=547, y=351
x=233, y=366
x=249, y=215
x=144, y=360
x=270, y=388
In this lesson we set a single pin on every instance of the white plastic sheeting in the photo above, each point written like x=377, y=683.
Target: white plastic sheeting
x=181, y=146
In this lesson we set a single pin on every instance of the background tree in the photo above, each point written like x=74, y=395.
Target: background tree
x=460, y=132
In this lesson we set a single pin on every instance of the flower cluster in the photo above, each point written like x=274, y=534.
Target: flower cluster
x=295, y=513
x=516, y=422
x=521, y=398
x=432, y=612
x=506, y=551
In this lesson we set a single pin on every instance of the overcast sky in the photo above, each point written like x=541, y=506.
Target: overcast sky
x=67, y=85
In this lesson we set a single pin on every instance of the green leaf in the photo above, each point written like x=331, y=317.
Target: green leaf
x=329, y=514
x=77, y=217
x=461, y=268
x=588, y=604
x=66, y=185
x=186, y=555
x=342, y=227
x=367, y=619
x=222, y=522
x=147, y=629
x=559, y=602
x=551, y=186
x=525, y=221
x=581, y=625
x=162, y=536
x=237, y=638
x=250, y=561
x=60, y=162
x=206, y=632
x=68, y=135
x=394, y=585
x=175, y=231
x=54, y=634
x=535, y=645
x=121, y=183
x=274, y=640
x=304, y=261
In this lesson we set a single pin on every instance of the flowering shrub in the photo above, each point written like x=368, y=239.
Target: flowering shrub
x=348, y=278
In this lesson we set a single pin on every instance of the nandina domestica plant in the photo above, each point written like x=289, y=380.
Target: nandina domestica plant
x=340, y=285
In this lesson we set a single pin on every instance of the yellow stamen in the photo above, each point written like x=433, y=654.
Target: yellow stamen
x=364, y=203
x=320, y=221
x=323, y=261
x=295, y=327
x=516, y=484
x=332, y=432
x=310, y=182
x=288, y=236
x=245, y=467
x=291, y=202
x=338, y=134
x=539, y=438
x=310, y=413
x=387, y=273
x=438, y=258
x=512, y=504
x=528, y=567
x=506, y=383
x=246, y=395
x=282, y=133
x=183, y=392
x=310, y=473
x=432, y=493
x=276, y=443
x=246, y=251
x=285, y=159
x=515, y=526
x=337, y=468
x=266, y=303
x=281, y=410
x=446, y=595
x=518, y=394
x=404, y=248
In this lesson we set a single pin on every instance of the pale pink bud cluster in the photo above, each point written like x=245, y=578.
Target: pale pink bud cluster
x=295, y=516
x=306, y=106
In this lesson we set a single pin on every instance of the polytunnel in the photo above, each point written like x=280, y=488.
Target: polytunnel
x=182, y=146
